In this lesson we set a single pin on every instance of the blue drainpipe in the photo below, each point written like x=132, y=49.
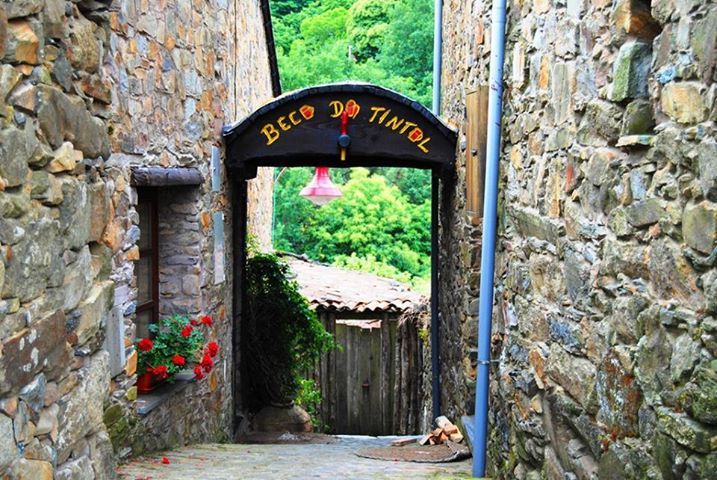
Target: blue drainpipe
x=490, y=220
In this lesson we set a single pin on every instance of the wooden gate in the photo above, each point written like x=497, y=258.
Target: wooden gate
x=370, y=384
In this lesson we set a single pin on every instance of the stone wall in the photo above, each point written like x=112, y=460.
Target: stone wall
x=604, y=319
x=55, y=291
x=89, y=90
x=180, y=76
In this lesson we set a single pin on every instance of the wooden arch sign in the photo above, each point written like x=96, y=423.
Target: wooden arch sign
x=302, y=128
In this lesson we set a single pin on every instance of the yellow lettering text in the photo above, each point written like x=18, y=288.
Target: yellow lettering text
x=338, y=108
x=383, y=117
x=423, y=144
x=394, y=123
x=376, y=111
x=272, y=134
x=406, y=126
x=282, y=124
x=292, y=118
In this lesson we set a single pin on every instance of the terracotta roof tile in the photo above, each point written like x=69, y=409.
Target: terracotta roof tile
x=341, y=290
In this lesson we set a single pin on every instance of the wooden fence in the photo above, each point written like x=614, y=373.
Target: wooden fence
x=371, y=384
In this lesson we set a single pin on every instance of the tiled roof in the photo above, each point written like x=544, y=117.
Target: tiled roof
x=340, y=290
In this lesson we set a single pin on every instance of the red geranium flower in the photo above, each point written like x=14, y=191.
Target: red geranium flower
x=194, y=323
x=213, y=348
x=198, y=373
x=187, y=330
x=165, y=460
x=161, y=370
x=207, y=320
x=145, y=345
x=179, y=360
x=150, y=370
x=207, y=362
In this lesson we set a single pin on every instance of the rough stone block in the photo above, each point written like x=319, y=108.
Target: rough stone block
x=701, y=393
x=600, y=125
x=638, y=119
x=3, y=39
x=39, y=348
x=64, y=159
x=77, y=279
x=31, y=470
x=646, y=212
x=635, y=18
x=631, y=71
x=83, y=407
x=699, y=226
x=62, y=117
x=562, y=91
x=17, y=147
x=530, y=223
x=703, y=40
x=576, y=375
x=94, y=311
x=48, y=423
x=79, y=469
x=686, y=431
x=34, y=261
x=8, y=449
x=84, y=49
x=34, y=393
x=99, y=210
x=671, y=274
x=706, y=159
x=620, y=397
x=23, y=8
x=23, y=43
x=75, y=213
x=683, y=102
x=54, y=19
x=114, y=341
x=9, y=77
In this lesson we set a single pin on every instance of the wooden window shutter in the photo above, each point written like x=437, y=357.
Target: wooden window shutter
x=476, y=131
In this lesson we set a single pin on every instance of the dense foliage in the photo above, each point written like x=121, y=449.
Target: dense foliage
x=284, y=338
x=373, y=227
x=382, y=223
x=387, y=42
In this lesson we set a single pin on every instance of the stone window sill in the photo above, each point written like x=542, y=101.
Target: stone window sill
x=147, y=402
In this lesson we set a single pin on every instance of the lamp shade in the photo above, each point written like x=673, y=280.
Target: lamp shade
x=321, y=189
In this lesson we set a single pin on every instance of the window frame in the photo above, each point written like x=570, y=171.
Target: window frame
x=150, y=196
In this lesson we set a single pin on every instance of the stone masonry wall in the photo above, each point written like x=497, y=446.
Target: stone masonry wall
x=55, y=290
x=182, y=70
x=604, y=320
x=89, y=90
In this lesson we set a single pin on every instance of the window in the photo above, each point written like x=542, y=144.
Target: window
x=147, y=267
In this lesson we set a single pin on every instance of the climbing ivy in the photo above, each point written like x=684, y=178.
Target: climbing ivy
x=284, y=338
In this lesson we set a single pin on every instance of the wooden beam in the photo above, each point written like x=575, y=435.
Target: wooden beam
x=476, y=132
x=165, y=177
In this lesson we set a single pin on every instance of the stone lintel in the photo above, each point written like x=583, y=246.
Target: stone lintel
x=165, y=177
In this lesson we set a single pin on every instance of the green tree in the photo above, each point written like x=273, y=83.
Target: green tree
x=381, y=224
x=367, y=26
x=407, y=49
x=372, y=227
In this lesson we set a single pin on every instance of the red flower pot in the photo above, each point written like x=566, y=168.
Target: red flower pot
x=148, y=382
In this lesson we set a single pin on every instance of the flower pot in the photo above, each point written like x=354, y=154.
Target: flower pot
x=148, y=382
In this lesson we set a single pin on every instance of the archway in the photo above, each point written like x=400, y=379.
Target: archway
x=339, y=125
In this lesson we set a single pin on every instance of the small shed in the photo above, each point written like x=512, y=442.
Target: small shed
x=370, y=385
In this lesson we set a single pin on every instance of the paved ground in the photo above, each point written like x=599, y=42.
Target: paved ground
x=303, y=461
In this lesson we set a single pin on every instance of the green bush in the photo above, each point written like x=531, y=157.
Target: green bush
x=284, y=338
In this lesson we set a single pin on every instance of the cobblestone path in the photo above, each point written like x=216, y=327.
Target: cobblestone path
x=297, y=461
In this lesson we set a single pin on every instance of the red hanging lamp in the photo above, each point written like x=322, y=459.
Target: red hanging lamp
x=321, y=190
